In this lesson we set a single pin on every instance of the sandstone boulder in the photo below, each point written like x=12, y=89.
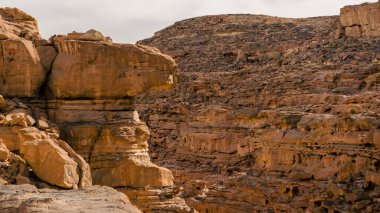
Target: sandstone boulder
x=53, y=164
x=21, y=71
x=19, y=119
x=89, y=69
x=361, y=20
x=13, y=136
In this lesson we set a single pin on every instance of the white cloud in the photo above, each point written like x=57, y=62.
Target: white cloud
x=131, y=20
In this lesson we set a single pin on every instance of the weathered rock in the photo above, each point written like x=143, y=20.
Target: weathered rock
x=2, y=102
x=95, y=70
x=134, y=173
x=90, y=35
x=15, y=23
x=27, y=198
x=47, y=55
x=288, y=102
x=4, y=152
x=157, y=200
x=361, y=20
x=21, y=71
x=47, y=155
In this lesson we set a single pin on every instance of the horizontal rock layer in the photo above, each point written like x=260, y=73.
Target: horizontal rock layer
x=271, y=114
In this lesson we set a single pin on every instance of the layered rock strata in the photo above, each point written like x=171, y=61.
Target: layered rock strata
x=270, y=114
x=79, y=87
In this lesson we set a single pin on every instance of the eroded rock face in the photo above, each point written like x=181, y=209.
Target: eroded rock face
x=21, y=71
x=361, y=20
x=95, y=70
x=83, y=85
x=113, y=142
x=271, y=114
x=27, y=198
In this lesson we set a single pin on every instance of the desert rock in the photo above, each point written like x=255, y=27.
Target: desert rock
x=2, y=102
x=96, y=70
x=22, y=73
x=15, y=23
x=47, y=155
x=361, y=20
x=27, y=198
x=269, y=112
x=4, y=152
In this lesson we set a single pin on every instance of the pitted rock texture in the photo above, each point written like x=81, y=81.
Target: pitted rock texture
x=361, y=20
x=27, y=198
x=272, y=114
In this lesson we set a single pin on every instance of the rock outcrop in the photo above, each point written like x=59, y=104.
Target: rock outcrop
x=78, y=87
x=27, y=198
x=361, y=20
x=270, y=114
x=15, y=23
x=92, y=69
x=21, y=70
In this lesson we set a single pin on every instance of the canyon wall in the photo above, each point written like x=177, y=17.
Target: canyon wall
x=271, y=113
x=264, y=114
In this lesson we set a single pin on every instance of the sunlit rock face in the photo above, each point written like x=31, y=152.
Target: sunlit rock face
x=270, y=113
x=95, y=69
x=78, y=87
x=361, y=20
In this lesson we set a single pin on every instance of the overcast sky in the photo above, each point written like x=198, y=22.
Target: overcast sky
x=133, y=20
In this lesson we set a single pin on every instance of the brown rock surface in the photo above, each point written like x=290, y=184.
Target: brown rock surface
x=272, y=114
x=4, y=152
x=15, y=23
x=2, y=102
x=21, y=71
x=95, y=70
x=81, y=85
x=157, y=200
x=55, y=165
x=361, y=20
x=27, y=198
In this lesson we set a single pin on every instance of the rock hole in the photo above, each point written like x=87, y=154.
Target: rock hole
x=317, y=203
